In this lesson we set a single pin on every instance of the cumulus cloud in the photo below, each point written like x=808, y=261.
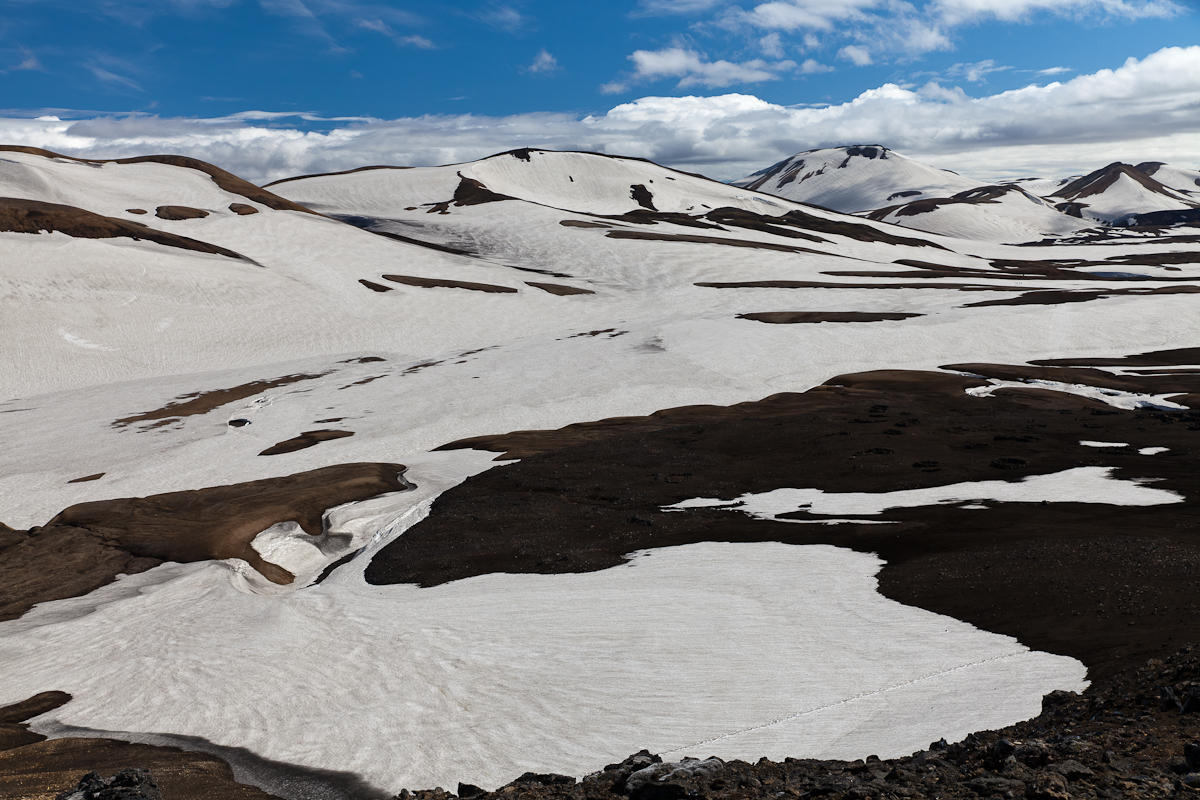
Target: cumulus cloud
x=902, y=28
x=858, y=55
x=543, y=64
x=812, y=67
x=506, y=18
x=693, y=69
x=771, y=45
x=1146, y=109
x=791, y=15
x=978, y=71
x=960, y=11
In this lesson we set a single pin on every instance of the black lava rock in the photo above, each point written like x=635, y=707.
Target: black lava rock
x=128, y=784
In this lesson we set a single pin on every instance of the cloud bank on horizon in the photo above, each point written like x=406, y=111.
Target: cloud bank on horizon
x=993, y=88
x=1144, y=109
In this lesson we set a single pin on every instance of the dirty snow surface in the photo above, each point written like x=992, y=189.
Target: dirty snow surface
x=530, y=290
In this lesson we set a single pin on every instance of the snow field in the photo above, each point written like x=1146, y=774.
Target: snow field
x=734, y=650
x=485, y=678
x=533, y=383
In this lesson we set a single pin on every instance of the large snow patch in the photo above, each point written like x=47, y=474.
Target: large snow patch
x=738, y=650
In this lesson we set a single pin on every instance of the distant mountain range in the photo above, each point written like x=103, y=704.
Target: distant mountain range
x=879, y=183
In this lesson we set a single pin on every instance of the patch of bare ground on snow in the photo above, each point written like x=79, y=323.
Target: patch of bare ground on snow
x=443, y=283
x=816, y=317
x=87, y=545
x=304, y=441
x=202, y=402
x=33, y=216
x=558, y=288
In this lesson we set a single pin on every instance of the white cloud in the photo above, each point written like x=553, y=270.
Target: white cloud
x=693, y=70
x=664, y=7
x=791, y=15
x=1054, y=71
x=813, y=67
x=771, y=45
x=858, y=55
x=1142, y=110
x=901, y=28
x=405, y=40
x=978, y=71
x=30, y=62
x=112, y=77
x=961, y=11
x=543, y=64
x=506, y=18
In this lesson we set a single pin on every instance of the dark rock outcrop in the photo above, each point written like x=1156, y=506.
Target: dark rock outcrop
x=128, y=784
x=179, y=213
x=32, y=216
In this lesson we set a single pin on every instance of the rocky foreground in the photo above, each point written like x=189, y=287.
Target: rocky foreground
x=1133, y=735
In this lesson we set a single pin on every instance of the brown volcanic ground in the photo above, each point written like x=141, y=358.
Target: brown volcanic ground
x=1109, y=585
x=87, y=545
x=33, y=216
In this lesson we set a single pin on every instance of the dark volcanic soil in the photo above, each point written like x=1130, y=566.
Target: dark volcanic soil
x=815, y=317
x=203, y=402
x=437, y=283
x=177, y=213
x=304, y=441
x=1109, y=585
x=558, y=288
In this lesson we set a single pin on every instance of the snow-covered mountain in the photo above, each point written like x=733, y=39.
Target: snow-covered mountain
x=886, y=186
x=1120, y=190
x=989, y=213
x=855, y=178
x=579, y=363
x=1183, y=181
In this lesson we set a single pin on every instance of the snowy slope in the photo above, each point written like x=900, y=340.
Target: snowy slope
x=1120, y=190
x=402, y=685
x=583, y=182
x=1184, y=181
x=856, y=178
x=989, y=213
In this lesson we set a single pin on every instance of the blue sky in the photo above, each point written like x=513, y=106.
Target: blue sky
x=179, y=60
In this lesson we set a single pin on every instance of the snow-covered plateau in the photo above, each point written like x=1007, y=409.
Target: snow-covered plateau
x=427, y=475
